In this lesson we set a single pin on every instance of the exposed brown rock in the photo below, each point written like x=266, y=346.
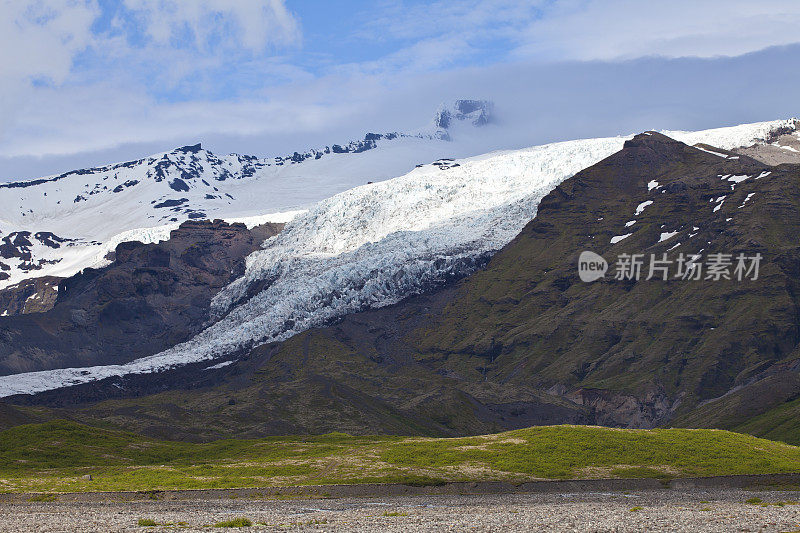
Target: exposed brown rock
x=150, y=298
x=33, y=295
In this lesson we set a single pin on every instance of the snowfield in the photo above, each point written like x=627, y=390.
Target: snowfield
x=374, y=245
x=145, y=199
x=93, y=209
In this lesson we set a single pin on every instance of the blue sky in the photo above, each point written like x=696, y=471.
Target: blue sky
x=85, y=82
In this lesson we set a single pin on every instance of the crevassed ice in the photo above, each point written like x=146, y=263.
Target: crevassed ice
x=367, y=247
x=376, y=244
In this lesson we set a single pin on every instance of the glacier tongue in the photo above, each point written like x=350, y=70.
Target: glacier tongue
x=374, y=245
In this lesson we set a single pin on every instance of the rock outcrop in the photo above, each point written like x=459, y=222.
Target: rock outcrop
x=151, y=297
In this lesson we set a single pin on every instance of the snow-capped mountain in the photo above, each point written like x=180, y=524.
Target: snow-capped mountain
x=475, y=112
x=375, y=244
x=58, y=225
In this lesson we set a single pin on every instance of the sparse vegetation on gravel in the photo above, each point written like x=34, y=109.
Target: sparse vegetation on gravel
x=673, y=511
x=236, y=522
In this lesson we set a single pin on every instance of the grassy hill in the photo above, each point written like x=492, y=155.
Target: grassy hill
x=57, y=456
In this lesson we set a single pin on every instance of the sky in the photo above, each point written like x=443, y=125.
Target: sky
x=89, y=82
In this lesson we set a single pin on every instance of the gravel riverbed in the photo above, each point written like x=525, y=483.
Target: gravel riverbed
x=647, y=510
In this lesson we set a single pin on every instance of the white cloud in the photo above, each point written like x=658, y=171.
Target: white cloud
x=71, y=120
x=250, y=23
x=625, y=29
x=468, y=18
x=38, y=41
x=162, y=87
x=41, y=39
x=441, y=34
x=425, y=55
x=594, y=29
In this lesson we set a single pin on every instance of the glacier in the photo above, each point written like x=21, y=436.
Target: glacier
x=93, y=209
x=376, y=244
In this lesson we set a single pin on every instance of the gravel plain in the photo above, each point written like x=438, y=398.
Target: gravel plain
x=646, y=510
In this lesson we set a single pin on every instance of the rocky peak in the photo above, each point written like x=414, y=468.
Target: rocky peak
x=651, y=138
x=477, y=112
x=189, y=149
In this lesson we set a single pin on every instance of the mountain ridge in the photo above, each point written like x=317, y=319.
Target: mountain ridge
x=336, y=246
x=150, y=196
x=522, y=341
x=477, y=112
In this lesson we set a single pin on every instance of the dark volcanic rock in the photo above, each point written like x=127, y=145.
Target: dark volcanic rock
x=18, y=244
x=152, y=297
x=33, y=295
